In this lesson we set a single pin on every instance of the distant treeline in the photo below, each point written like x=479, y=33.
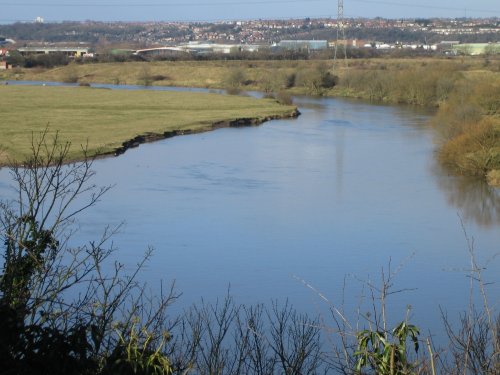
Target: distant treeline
x=61, y=59
x=70, y=32
x=95, y=33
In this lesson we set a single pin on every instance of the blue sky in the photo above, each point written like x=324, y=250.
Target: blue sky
x=212, y=10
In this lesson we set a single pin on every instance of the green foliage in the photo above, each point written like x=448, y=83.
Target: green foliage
x=386, y=354
x=139, y=353
x=26, y=245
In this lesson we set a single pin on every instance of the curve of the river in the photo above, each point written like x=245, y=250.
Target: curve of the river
x=330, y=198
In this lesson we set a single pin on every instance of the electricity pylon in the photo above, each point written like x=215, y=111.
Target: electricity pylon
x=340, y=34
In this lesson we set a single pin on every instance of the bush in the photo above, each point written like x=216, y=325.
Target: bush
x=486, y=95
x=145, y=77
x=316, y=80
x=71, y=75
x=235, y=79
x=290, y=80
x=472, y=151
x=49, y=60
x=284, y=98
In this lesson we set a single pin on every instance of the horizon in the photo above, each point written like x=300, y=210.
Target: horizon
x=284, y=19
x=54, y=11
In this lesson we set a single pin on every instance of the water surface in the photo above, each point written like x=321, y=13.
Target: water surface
x=331, y=198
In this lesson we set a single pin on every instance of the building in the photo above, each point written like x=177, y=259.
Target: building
x=197, y=48
x=160, y=51
x=347, y=42
x=308, y=45
x=69, y=51
x=476, y=49
x=4, y=41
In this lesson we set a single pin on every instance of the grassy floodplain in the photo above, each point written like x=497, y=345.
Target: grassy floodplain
x=104, y=119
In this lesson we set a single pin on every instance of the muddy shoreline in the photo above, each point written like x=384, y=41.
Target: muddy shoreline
x=236, y=123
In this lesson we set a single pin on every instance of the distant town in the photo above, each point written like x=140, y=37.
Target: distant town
x=86, y=39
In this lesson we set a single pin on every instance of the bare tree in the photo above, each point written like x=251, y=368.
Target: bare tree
x=62, y=308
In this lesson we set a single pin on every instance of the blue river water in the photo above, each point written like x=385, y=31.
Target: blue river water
x=333, y=198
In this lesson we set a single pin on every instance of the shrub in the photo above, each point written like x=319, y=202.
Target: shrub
x=386, y=353
x=71, y=75
x=471, y=152
x=284, y=98
x=46, y=60
x=145, y=77
x=493, y=177
x=235, y=79
x=290, y=80
x=316, y=79
x=486, y=95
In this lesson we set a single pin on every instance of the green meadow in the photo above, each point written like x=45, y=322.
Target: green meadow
x=103, y=119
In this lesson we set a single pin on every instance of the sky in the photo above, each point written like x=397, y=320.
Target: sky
x=220, y=10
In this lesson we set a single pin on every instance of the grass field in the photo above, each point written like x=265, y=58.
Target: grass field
x=106, y=118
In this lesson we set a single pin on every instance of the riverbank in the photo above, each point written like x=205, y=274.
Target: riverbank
x=466, y=91
x=111, y=121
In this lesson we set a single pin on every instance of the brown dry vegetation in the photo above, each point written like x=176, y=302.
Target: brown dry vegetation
x=469, y=122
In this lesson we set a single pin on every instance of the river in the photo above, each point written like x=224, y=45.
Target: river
x=331, y=198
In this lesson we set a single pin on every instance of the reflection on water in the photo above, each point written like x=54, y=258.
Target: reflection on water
x=339, y=158
x=474, y=198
